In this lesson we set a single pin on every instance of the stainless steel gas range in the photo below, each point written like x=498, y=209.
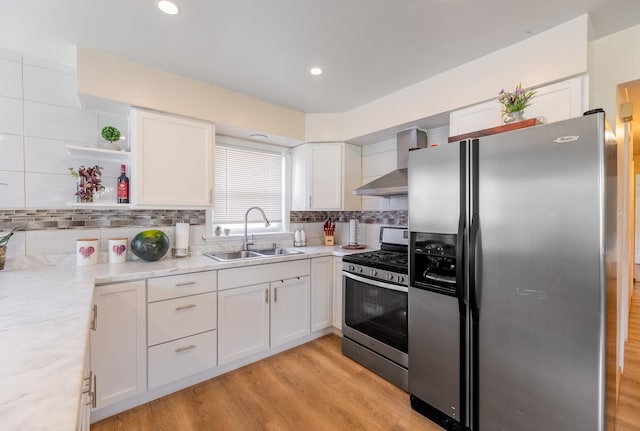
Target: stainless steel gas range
x=375, y=286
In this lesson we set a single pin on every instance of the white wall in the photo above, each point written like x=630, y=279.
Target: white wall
x=553, y=55
x=40, y=115
x=613, y=60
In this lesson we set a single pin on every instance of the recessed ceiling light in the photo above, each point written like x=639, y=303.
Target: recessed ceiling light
x=167, y=7
x=315, y=71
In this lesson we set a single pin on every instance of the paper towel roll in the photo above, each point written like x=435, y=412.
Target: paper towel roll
x=353, y=231
x=182, y=235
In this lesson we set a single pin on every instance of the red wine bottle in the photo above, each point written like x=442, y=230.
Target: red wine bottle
x=123, y=186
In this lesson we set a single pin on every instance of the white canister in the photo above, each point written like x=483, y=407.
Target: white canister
x=86, y=251
x=118, y=248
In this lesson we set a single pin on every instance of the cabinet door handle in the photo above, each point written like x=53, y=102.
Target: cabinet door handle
x=187, y=283
x=266, y=296
x=185, y=307
x=182, y=349
x=94, y=394
x=94, y=319
x=87, y=381
x=275, y=294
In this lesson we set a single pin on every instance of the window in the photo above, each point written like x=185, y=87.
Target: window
x=247, y=178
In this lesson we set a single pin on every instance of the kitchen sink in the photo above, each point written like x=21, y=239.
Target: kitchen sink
x=243, y=254
x=233, y=255
x=277, y=251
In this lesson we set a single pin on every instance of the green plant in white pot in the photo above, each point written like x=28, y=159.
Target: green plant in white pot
x=111, y=134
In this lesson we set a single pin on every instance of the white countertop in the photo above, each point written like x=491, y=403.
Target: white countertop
x=44, y=324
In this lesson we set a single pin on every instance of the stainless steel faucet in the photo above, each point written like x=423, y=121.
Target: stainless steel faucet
x=247, y=243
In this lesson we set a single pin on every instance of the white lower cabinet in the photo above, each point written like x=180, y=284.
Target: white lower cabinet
x=254, y=318
x=86, y=397
x=290, y=310
x=273, y=310
x=337, y=292
x=321, y=292
x=118, y=342
x=181, y=326
x=181, y=317
x=180, y=358
x=243, y=322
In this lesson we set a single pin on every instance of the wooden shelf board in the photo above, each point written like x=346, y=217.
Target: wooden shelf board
x=493, y=130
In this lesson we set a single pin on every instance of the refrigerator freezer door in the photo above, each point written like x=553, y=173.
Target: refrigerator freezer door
x=541, y=278
x=434, y=350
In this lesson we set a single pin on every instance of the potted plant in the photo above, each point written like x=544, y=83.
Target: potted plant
x=513, y=104
x=111, y=134
x=218, y=230
x=89, y=182
x=3, y=246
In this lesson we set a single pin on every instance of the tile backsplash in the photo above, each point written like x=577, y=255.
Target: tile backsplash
x=399, y=217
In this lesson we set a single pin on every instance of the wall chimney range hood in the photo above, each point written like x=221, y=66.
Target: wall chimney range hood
x=395, y=182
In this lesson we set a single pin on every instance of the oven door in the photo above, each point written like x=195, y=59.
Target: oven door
x=375, y=316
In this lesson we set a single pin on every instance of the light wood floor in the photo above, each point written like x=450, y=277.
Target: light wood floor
x=311, y=387
x=315, y=387
x=628, y=414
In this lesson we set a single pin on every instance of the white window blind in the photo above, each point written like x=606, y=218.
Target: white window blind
x=247, y=178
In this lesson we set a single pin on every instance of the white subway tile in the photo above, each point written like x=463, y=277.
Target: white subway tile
x=378, y=164
x=49, y=64
x=49, y=190
x=12, y=189
x=398, y=203
x=50, y=86
x=51, y=156
x=60, y=123
x=56, y=241
x=379, y=147
x=10, y=79
x=12, y=153
x=16, y=246
x=10, y=55
x=11, y=115
x=372, y=203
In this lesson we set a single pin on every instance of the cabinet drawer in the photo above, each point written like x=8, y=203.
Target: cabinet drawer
x=246, y=275
x=172, y=361
x=175, y=286
x=181, y=317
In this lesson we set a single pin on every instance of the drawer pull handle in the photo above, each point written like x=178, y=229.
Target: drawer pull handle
x=182, y=349
x=185, y=307
x=187, y=283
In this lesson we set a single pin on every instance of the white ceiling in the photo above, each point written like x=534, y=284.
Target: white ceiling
x=264, y=48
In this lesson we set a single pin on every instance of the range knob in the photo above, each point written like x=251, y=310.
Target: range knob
x=360, y=269
x=352, y=268
x=401, y=279
x=373, y=272
x=390, y=277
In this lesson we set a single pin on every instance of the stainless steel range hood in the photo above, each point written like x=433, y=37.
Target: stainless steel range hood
x=395, y=182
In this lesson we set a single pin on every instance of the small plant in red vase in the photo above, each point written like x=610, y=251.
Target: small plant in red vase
x=89, y=182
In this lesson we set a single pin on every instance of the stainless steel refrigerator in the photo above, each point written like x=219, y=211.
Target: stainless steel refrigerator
x=513, y=278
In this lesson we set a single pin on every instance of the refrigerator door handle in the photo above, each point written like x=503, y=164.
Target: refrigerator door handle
x=473, y=285
x=474, y=294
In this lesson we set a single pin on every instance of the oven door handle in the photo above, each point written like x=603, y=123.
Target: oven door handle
x=375, y=282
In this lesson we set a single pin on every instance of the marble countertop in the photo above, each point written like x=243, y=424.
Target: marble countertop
x=44, y=327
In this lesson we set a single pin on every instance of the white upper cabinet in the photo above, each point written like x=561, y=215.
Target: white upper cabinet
x=172, y=160
x=553, y=102
x=324, y=175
